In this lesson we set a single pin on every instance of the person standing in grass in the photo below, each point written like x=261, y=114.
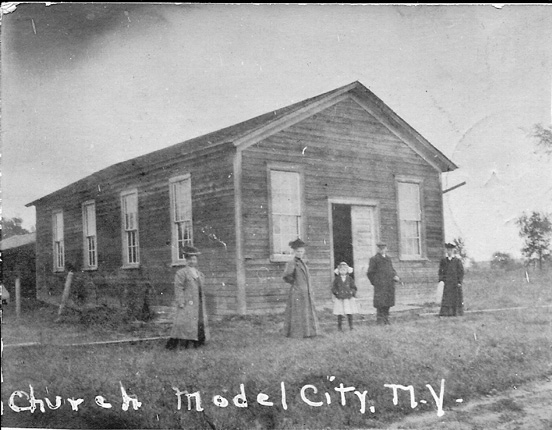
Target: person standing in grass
x=344, y=291
x=383, y=276
x=451, y=276
x=300, y=315
x=190, y=326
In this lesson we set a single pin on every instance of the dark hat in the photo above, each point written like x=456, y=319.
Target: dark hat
x=450, y=245
x=381, y=244
x=190, y=250
x=297, y=243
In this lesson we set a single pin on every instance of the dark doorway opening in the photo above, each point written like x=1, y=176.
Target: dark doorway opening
x=342, y=234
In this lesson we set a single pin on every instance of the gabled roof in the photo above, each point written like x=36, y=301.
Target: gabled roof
x=17, y=241
x=248, y=132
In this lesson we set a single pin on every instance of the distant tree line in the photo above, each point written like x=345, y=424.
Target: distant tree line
x=535, y=228
x=536, y=231
x=13, y=227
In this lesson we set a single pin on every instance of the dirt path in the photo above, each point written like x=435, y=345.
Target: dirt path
x=526, y=407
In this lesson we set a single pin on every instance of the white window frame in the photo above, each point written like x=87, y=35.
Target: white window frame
x=403, y=254
x=58, y=243
x=89, y=237
x=284, y=253
x=184, y=222
x=129, y=263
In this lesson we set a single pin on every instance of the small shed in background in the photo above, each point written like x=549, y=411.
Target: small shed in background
x=19, y=259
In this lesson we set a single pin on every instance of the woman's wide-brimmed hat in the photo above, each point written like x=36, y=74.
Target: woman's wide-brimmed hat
x=297, y=243
x=450, y=245
x=190, y=250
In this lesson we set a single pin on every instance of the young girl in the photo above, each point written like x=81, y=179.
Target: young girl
x=344, y=291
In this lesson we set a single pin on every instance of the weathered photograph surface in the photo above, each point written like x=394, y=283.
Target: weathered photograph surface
x=276, y=216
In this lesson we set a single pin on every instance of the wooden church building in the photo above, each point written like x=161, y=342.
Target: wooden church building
x=340, y=170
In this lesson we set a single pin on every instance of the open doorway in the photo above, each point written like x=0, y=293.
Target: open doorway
x=342, y=234
x=354, y=234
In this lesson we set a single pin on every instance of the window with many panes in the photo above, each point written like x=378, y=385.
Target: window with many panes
x=286, y=210
x=129, y=209
x=90, y=250
x=58, y=241
x=410, y=219
x=181, y=216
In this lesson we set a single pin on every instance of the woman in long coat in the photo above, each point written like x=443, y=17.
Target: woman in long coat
x=190, y=326
x=300, y=316
x=451, y=274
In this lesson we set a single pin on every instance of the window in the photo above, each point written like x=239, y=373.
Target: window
x=181, y=216
x=410, y=220
x=59, y=246
x=89, y=233
x=286, y=219
x=129, y=207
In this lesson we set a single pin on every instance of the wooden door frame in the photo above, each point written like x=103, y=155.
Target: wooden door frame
x=352, y=201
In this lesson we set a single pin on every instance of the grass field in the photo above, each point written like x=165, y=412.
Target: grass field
x=477, y=355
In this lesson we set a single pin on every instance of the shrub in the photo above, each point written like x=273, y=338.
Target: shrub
x=502, y=260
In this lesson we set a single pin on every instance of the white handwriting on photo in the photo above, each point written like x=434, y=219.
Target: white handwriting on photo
x=309, y=394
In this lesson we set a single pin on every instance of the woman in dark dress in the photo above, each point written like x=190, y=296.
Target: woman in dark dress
x=451, y=275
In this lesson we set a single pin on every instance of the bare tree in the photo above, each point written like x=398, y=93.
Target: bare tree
x=461, y=248
x=543, y=136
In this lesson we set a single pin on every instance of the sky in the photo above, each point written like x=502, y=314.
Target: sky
x=85, y=86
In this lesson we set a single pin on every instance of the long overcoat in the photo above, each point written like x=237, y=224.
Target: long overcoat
x=381, y=274
x=300, y=315
x=189, y=303
x=451, y=272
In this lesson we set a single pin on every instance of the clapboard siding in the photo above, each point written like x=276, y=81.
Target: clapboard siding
x=344, y=153
x=213, y=222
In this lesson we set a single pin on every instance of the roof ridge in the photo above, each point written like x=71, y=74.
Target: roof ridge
x=218, y=136
x=250, y=126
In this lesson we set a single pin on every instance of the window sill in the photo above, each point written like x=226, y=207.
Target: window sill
x=280, y=258
x=130, y=266
x=90, y=269
x=406, y=258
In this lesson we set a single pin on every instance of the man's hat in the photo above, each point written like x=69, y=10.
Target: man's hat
x=450, y=245
x=190, y=250
x=297, y=243
x=381, y=244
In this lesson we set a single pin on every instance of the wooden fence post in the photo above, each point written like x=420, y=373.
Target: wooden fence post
x=65, y=295
x=17, y=297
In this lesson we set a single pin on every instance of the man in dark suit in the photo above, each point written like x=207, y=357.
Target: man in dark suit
x=383, y=276
x=451, y=276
